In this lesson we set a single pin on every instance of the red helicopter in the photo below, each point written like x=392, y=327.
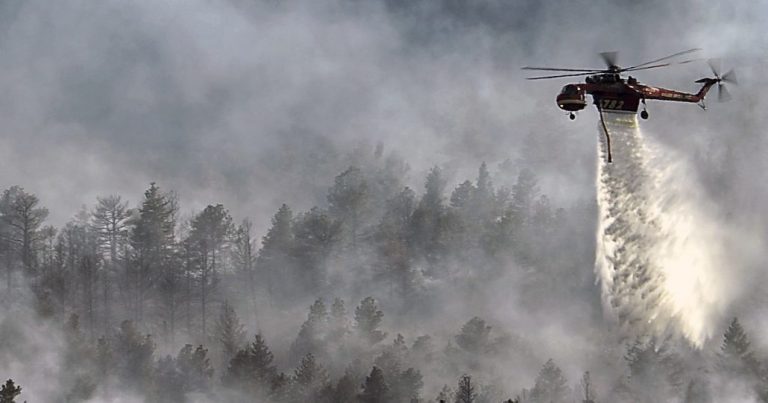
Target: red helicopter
x=613, y=93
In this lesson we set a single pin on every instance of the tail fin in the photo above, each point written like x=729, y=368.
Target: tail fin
x=708, y=83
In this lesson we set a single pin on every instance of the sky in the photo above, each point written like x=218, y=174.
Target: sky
x=242, y=102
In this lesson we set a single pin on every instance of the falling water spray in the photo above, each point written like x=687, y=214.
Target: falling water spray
x=659, y=258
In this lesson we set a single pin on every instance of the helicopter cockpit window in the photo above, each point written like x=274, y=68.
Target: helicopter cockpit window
x=570, y=90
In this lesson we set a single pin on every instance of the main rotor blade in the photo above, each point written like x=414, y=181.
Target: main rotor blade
x=609, y=58
x=565, y=75
x=646, y=67
x=730, y=77
x=691, y=60
x=722, y=93
x=685, y=52
x=555, y=69
x=714, y=65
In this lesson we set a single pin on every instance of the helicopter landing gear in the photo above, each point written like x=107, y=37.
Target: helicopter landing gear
x=644, y=112
x=572, y=116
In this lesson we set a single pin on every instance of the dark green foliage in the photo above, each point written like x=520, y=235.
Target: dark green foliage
x=313, y=332
x=375, y=388
x=169, y=385
x=735, y=354
x=654, y=372
x=429, y=222
x=462, y=196
x=9, y=391
x=339, y=323
x=280, y=388
x=133, y=356
x=151, y=241
x=551, y=386
x=315, y=235
x=367, y=320
x=407, y=385
x=210, y=232
x=474, y=336
x=153, y=230
x=279, y=238
x=194, y=368
x=345, y=391
x=276, y=264
x=423, y=349
x=21, y=218
x=229, y=331
x=445, y=395
x=389, y=363
x=252, y=368
x=310, y=379
x=465, y=392
x=347, y=200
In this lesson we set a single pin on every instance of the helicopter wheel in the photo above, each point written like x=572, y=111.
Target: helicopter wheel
x=644, y=114
x=572, y=116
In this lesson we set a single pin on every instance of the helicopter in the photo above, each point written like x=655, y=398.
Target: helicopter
x=613, y=93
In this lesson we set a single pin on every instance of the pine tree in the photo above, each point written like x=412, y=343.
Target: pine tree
x=211, y=231
x=313, y=332
x=251, y=368
x=133, y=356
x=407, y=385
x=588, y=388
x=474, y=336
x=347, y=200
x=465, y=393
x=109, y=220
x=22, y=218
x=654, y=372
x=375, y=388
x=281, y=388
x=229, y=331
x=309, y=379
x=483, y=206
x=152, y=240
x=346, y=390
x=315, y=235
x=395, y=252
x=244, y=256
x=461, y=198
x=194, y=368
x=169, y=385
x=551, y=386
x=275, y=262
x=428, y=221
x=445, y=395
x=339, y=321
x=9, y=391
x=367, y=319
x=735, y=353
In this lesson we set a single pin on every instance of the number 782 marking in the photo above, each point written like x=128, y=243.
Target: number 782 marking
x=611, y=103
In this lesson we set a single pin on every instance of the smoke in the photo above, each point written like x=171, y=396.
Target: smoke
x=661, y=255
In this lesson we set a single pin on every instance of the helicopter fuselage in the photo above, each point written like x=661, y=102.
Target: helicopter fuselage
x=611, y=92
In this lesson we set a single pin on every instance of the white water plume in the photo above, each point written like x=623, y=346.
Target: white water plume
x=659, y=256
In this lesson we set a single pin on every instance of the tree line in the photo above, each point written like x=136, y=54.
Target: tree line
x=126, y=279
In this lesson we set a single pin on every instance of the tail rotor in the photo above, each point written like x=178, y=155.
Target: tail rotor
x=723, y=95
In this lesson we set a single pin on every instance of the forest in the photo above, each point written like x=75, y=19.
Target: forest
x=349, y=301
